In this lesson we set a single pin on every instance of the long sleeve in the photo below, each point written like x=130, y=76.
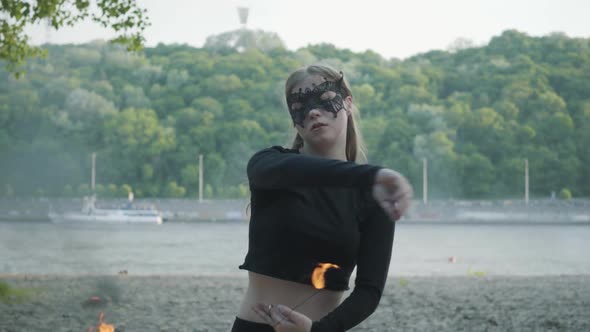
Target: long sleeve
x=277, y=168
x=374, y=256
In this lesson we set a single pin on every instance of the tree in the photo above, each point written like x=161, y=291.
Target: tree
x=242, y=40
x=474, y=114
x=123, y=16
x=460, y=44
x=135, y=137
x=477, y=175
x=438, y=149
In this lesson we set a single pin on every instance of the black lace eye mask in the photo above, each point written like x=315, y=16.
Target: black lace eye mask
x=302, y=102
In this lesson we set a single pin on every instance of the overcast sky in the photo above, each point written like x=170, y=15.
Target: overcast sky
x=391, y=28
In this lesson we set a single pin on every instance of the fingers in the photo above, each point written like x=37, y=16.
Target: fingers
x=402, y=202
x=393, y=192
x=398, y=201
x=288, y=313
x=263, y=311
x=278, y=317
x=296, y=321
x=271, y=314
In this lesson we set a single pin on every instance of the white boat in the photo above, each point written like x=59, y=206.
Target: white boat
x=90, y=213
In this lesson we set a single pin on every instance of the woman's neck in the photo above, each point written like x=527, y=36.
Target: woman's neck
x=336, y=151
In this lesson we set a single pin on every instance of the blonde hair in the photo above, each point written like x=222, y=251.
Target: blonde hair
x=355, y=147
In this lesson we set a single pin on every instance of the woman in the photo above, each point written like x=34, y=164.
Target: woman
x=316, y=214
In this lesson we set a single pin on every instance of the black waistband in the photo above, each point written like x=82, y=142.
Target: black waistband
x=241, y=325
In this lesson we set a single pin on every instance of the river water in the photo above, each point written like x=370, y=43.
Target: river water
x=217, y=248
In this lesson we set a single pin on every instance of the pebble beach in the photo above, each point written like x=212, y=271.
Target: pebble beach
x=209, y=303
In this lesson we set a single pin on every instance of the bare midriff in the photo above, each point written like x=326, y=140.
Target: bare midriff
x=305, y=299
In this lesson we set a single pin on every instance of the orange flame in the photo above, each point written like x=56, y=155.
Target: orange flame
x=318, y=279
x=102, y=326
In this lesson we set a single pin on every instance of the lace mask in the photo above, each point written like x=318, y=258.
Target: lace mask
x=302, y=102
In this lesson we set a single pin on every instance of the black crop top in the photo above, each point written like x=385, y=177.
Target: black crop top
x=307, y=210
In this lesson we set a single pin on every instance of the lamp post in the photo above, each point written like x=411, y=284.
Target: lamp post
x=200, y=178
x=526, y=181
x=424, y=181
x=93, y=172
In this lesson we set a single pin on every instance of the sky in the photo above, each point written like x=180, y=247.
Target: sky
x=394, y=28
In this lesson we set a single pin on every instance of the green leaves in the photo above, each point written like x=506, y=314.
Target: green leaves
x=123, y=16
x=474, y=114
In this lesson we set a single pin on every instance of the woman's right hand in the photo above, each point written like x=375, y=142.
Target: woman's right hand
x=283, y=318
x=393, y=192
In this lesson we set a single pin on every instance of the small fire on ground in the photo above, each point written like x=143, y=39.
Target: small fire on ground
x=102, y=326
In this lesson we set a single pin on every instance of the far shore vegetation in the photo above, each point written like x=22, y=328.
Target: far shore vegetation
x=475, y=113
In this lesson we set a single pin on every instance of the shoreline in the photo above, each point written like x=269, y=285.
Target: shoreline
x=243, y=275
x=209, y=303
x=443, y=211
x=585, y=221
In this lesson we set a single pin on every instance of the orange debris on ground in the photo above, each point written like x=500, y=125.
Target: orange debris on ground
x=102, y=326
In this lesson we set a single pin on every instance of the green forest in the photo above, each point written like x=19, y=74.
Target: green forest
x=475, y=113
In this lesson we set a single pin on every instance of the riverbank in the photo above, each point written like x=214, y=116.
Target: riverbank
x=540, y=211
x=200, y=303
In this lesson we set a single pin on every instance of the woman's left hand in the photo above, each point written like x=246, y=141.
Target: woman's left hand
x=393, y=192
x=283, y=318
